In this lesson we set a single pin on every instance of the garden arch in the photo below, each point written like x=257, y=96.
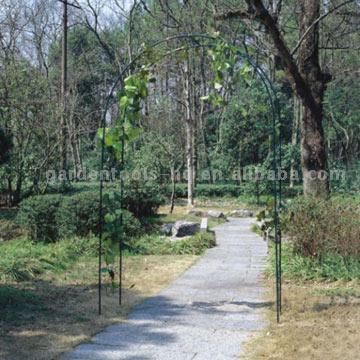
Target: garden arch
x=194, y=41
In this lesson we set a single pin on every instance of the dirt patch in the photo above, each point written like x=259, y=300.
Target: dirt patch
x=41, y=319
x=320, y=321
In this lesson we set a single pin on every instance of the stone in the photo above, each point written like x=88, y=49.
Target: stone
x=242, y=213
x=216, y=214
x=167, y=228
x=204, y=224
x=185, y=228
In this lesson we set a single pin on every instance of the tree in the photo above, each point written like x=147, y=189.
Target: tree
x=308, y=82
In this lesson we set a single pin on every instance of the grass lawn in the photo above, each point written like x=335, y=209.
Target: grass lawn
x=49, y=295
x=48, y=292
x=320, y=321
x=44, y=317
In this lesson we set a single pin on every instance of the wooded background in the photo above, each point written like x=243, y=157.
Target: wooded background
x=59, y=60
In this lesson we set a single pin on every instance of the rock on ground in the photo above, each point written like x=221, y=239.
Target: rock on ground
x=242, y=213
x=216, y=214
x=185, y=228
x=167, y=229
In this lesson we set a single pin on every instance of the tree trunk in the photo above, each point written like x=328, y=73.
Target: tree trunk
x=313, y=152
x=309, y=83
x=189, y=133
x=173, y=184
x=205, y=142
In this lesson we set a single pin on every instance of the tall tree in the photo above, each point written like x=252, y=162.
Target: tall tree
x=307, y=79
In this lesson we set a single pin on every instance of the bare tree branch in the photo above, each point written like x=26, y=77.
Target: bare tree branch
x=235, y=14
x=70, y=4
x=320, y=18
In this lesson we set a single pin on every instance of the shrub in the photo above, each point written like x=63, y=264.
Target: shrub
x=330, y=267
x=322, y=227
x=208, y=190
x=218, y=190
x=37, y=215
x=50, y=217
x=142, y=198
x=78, y=215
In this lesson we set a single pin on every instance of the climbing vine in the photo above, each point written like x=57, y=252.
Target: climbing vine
x=125, y=130
x=224, y=63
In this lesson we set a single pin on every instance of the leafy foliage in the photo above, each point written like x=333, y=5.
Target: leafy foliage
x=48, y=218
x=126, y=129
x=142, y=198
x=38, y=216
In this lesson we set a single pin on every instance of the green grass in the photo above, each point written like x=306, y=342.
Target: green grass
x=330, y=267
x=8, y=227
x=23, y=260
x=347, y=199
x=155, y=244
x=22, y=303
x=339, y=291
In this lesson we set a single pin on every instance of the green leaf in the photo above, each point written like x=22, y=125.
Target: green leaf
x=100, y=133
x=109, y=257
x=123, y=102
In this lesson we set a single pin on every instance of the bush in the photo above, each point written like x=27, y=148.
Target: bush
x=208, y=190
x=50, y=217
x=218, y=190
x=330, y=267
x=142, y=198
x=322, y=227
x=79, y=214
x=37, y=215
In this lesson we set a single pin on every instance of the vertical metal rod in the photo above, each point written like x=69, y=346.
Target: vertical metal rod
x=277, y=280
x=275, y=115
x=280, y=274
x=280, y=203
x=101, y=215
x=64, y=65
x=121, y=208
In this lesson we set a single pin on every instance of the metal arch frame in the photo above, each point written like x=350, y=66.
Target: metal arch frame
x=276, y=163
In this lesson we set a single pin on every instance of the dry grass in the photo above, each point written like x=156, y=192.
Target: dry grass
x=53, y=314
x=320, y=321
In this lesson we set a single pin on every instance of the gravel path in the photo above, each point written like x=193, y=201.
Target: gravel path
x=206, y=314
